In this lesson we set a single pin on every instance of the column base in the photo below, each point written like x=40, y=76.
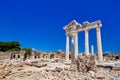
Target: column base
x=66, y=59
x=101, y=62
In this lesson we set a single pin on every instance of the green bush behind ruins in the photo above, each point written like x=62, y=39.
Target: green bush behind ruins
x=27, y=51
x=10, y=46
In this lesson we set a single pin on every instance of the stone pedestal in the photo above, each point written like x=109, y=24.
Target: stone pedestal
x=99, y=45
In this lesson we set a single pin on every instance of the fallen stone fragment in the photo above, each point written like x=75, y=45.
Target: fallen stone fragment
x=117, y=68
x=40, y=65
x=100, y=75
x=58, y=69
x=73, y=67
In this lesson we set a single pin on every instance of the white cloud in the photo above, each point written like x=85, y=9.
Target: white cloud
x=33, y=49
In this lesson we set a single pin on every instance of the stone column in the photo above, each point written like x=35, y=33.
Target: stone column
x=92, y=50
x=67, y=47
x=73, y=48
x=99, y=44
x=86, y=42
x=76, y=45
x=74, y=41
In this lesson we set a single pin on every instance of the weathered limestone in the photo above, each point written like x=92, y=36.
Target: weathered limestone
x=100, y=75
x=67, y=47
x=9, y=70
x=76, y=46
x=74, y=42
x=117, y=68
x=74, y=66
x=73, y=28
x=84, y=64
x=99, y=44
x=73, y=48
x=86, y=42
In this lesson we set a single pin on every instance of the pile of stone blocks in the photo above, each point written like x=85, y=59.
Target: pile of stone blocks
x=74, y=65
x=84, y=64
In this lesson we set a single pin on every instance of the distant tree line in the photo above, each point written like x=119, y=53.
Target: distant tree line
x=10, y=46
x=105, y=54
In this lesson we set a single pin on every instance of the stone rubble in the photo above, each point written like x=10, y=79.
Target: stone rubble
x=84, y=64
x=19, y=70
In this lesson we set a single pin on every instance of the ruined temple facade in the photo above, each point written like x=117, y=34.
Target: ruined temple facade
x=72, y=30
x=17, y=54
x=37, y=55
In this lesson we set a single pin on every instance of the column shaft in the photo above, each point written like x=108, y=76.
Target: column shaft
x=76, y=46
x=67, y=47
x=86, y=42
x=92, y=50
x=99, y=45
x=73, y=48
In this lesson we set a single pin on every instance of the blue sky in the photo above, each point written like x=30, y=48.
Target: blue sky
x=39, y=23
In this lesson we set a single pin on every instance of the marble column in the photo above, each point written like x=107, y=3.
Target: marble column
x=99, y=45
x=73, y=48
x=67, y=47
x=86, y=42
x=74, y=40
x=92, y=50
x=76, y=46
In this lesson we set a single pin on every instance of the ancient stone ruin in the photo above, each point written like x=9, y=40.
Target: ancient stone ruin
x=84, y=63
x=34, y=55
x=63, y=65
x=72, y=30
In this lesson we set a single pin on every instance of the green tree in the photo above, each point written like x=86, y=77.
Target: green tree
x=28, y=51
x=10, y=46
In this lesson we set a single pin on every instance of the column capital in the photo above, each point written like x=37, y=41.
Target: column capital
x=98, y=29
x=86, y=31
x=74, y=34
x=99, y=26
x=67, y=34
